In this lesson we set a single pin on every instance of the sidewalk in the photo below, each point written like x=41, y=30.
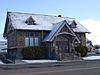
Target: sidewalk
x=48, y=63
x=21, y=64
x=92, y=57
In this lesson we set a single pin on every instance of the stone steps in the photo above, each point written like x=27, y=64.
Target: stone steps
x=70, y=56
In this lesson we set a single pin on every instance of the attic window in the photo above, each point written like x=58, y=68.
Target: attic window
x=73, y=24
x=30, y=21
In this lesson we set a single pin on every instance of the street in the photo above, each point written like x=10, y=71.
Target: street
x=86, y=68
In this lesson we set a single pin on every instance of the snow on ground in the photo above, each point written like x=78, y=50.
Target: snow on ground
x=39, y=61
x=91, y=58
x=1, y=62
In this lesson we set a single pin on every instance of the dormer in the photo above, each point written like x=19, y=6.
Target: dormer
x=30, y=21
x=73, y=24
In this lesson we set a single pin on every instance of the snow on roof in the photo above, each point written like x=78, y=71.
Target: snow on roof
x=54, y=29
x=1, y=62
x=44, y=22
x=80, y=28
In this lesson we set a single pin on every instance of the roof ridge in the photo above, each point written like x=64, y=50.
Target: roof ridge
x=39, y=14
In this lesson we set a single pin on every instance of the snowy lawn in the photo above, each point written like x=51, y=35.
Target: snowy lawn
x=39, y=61
x=91, y=58
x=1, y=62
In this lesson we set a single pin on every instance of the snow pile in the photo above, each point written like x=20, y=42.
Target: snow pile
x=39, y=61
x=91, y=58
x=1, y=62
x=2, y=39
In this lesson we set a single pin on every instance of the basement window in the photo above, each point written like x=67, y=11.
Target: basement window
x=30, y=21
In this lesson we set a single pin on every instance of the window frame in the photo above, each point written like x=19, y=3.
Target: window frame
x=32, y=39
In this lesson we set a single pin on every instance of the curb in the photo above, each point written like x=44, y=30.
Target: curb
x=39, y=65
x=50, y=64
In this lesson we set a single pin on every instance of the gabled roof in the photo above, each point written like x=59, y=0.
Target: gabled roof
x=80, y=28
x=56, y=29
x=43, y=22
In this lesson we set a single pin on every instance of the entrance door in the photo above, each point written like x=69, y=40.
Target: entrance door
x=63, y=46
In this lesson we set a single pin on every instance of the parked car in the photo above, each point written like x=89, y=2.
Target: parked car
x=97, y=51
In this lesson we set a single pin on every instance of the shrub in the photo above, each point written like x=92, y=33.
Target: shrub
x=82, y=50
x=33, y=53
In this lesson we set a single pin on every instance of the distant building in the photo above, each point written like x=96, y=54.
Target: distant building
x=89, y=45
x=3, y=44
x=58, y=35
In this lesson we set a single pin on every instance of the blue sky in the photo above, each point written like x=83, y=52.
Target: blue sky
x=82, y=10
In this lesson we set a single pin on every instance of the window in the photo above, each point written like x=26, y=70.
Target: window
x=73, y=24
x=31, y=34
x=27, y=34
x=36, y=34
x=36, y=41
x=30, y=21
x=31, y=41
x=26, y=41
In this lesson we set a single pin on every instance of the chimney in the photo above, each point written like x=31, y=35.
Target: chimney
x=59, y=16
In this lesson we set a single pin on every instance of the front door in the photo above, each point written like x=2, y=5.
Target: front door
x=63, y=49
x=63, y=46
